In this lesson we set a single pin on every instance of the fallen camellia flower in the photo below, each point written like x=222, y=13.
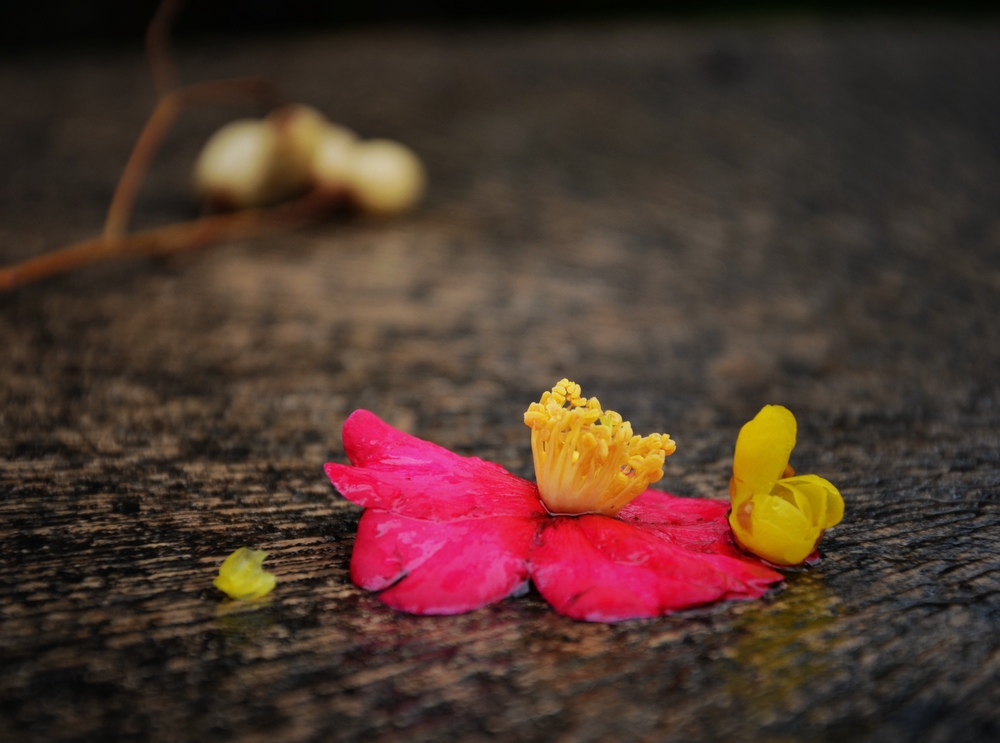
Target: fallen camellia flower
x=777, y=515
x=445, y=534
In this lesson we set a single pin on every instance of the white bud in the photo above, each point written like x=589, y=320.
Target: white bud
x=332, y=161
x=384, y=177
x=299, y=129
x=236, y=166
x=251, y=162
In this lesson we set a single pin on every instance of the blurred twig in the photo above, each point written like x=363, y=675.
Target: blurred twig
x=172, y=238
x=159, y=48
x=172, y=100
x=170, y=105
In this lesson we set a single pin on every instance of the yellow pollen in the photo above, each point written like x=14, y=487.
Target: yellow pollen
x=587, y=460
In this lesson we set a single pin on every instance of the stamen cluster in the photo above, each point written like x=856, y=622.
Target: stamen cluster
x=587, y=460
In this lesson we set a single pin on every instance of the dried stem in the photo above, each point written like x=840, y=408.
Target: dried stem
x=172, y=238
x=258, y=90
x=158, y=47
x=185, y=235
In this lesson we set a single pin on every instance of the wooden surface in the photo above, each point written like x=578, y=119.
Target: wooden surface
x=690, y=221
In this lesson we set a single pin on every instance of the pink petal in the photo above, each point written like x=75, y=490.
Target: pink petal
x=436, y=568
x=406, y=475
x=601, y=569
x=697, y=524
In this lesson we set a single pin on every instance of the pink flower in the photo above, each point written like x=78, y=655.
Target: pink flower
x=445, y=534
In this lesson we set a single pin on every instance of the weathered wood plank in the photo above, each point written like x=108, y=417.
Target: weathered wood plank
x=690, y=221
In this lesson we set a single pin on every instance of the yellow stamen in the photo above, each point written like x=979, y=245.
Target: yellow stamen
x=587, y=460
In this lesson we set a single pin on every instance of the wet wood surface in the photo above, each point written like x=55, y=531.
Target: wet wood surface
x=690, y=221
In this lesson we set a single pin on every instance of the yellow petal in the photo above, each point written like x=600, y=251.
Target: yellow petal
x=241, y=576
x=806, y=496
x=826, y=505
x=762, y=451
x=772, y=528
x=834, y=504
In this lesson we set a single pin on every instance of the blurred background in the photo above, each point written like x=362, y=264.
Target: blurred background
x=692, y=209
x=32, y=24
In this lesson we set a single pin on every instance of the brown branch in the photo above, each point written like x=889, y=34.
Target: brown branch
x=257, y=90
x=158, y=47
x=172, y=238
x=185, y=235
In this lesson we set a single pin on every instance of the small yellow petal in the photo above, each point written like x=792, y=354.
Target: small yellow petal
x=827, y=504
x=772, y=528
x=241, y=576
x=834, y=504
x=809, y=499
x=762, y=451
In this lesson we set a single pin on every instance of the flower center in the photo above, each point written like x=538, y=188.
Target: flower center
x=587, y=460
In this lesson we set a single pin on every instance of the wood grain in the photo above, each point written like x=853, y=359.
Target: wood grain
x=690, y=221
